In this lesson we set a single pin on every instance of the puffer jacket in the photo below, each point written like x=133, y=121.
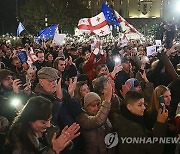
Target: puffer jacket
x=94, y=129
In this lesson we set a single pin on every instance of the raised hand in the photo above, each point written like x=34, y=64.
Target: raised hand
x=58, y=144
x=116, y=69
x=162, y=115
x=67, y=135
x=72, y=86
x=16, y=85
x=27, y=88
x=97, y=45
x=72, y=130
x=59, y=93
x=108, y=92
x=144, y=77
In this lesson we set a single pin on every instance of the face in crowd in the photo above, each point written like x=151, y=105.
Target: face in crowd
x=40, y=57
x=93, y=107
x=61, y=65
x=7, y=82
x=167, y=97
x=104, y=71
x=17, y=63
x=126, y=66
x=48, y=85
x=87, y=55
x=137, y=107
x=40, y=126
x=50, y=57
x=84, y=89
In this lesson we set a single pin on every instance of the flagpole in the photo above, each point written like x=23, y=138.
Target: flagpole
x=17, y=9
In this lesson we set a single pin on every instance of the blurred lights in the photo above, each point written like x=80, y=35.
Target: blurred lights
x=177, y=6
x=15, y=102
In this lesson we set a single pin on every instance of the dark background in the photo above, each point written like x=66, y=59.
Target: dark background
x=8, y=22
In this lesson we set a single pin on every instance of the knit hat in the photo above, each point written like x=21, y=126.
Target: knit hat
x=4, y=73
x=90, y=97
x=48, y=73
x=134, y=83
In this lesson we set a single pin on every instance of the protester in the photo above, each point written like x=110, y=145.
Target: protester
x=65, y=70
x=91, y=62
x=10, y=90
x=81, y=90
x=94, y=123
x=86, y=63
x=40, y=60
x=99, y=85
x=65, y=106
x=31, y=125
x=49, y=59
x=130, y=124
x=122, y=76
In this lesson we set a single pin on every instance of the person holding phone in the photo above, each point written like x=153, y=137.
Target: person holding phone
x=91, y=61
x=161, y=98
x=130, y=123
x=9, y=91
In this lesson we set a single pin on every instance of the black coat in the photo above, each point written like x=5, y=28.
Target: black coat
x=127, y=124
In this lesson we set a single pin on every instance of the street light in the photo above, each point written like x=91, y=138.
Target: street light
x=46, y=19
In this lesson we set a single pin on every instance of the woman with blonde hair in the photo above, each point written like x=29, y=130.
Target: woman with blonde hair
x=162, y=97
x=158, y=93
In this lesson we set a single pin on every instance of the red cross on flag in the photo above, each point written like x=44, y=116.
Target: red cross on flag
x=97, y=25
x=124, y=24
x=31, y=57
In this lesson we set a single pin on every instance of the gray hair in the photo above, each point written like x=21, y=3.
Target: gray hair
x=99, y=83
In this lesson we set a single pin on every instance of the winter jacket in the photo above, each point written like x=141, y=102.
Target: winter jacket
x=94, y=129
x=22, y=140
x=64, y=111
x=89, y=67
x=127, y=124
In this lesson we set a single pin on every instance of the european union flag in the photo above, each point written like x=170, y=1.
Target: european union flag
x=109, y=15
x=47, y=32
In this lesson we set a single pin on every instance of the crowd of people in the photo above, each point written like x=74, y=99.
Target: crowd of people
x=73, y=95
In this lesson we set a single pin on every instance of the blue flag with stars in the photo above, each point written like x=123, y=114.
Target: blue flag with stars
x=109, y=15
x=47, y=32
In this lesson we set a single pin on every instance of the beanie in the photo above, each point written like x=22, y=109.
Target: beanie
x=90, y=97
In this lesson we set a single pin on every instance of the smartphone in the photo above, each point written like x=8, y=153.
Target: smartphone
x=161, y=101
x=117, y=61
x=22, y=78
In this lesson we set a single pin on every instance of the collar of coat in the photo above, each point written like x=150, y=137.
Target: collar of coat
x=39, y=89
x=132, y=117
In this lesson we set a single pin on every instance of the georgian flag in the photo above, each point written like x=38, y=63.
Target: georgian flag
x=97, y=25
x=31, y=57
x=124, y=24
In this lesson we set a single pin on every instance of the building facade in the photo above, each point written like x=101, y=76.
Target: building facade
x=135, y=8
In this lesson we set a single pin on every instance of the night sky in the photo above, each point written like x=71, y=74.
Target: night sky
x=8, y=23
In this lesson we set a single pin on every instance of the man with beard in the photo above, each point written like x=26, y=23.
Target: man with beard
x=40, y=60
x=9, y=92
